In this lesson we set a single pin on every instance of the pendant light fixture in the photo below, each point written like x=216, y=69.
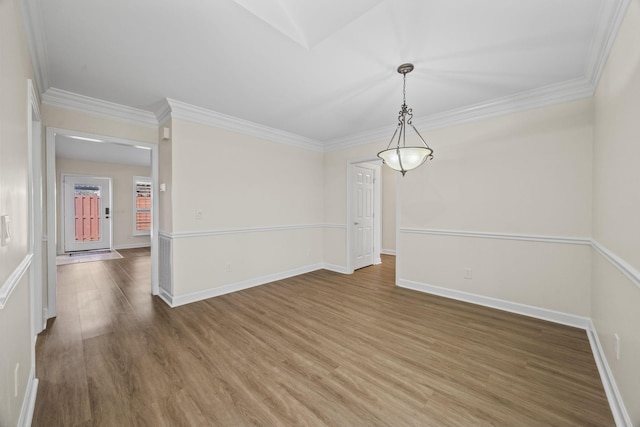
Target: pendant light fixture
x=401, y=157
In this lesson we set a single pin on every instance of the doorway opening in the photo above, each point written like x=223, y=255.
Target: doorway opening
x=80, y=211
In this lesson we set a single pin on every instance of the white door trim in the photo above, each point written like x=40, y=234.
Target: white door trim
x=35, y=210
x=34, y=148
x=51, y=133
x=377, y=234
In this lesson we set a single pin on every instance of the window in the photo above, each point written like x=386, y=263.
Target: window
x=142, y=206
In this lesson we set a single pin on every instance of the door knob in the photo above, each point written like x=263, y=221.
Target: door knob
x=356, y=223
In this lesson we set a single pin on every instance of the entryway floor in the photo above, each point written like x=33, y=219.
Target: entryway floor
x=87, y=256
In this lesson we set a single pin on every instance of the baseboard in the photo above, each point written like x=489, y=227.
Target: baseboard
x=513, y=307
x=388, y=252
x=620, y=414
x=175, y=301
x=616, y=403
x=132, y=246
x=166, y=297
x=29, y=401
x=335, y=268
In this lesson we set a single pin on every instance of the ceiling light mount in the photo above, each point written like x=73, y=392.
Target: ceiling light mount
x=401, y=157
x=405, y=68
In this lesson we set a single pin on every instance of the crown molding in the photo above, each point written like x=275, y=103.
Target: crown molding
x=34, y=29
x=163, y=113
x=97, y=107
x=34, y=100
x=612, y=11
x=183, y=111
x=570, y=90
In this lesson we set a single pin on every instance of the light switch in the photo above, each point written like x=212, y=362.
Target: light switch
x=5, y=230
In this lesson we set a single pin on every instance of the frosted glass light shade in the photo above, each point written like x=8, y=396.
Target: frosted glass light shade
x=404, y=159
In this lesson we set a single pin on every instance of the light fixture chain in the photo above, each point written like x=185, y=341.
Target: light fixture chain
x=404, y=88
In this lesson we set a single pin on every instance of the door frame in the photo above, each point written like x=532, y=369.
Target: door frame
x=51, y=133
x=36, y=219
x=376, y=163
x=63, y=206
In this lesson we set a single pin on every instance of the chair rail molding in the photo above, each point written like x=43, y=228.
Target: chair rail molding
x=239, y=230
x=503, y=236
x=12, y=281
x=624, y=267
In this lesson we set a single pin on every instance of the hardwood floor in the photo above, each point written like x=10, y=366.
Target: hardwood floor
x=317, y=349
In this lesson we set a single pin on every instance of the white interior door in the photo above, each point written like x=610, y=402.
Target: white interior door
x=362, y=211
x=87, y=213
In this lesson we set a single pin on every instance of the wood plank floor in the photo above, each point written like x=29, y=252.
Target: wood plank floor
x=317, y=349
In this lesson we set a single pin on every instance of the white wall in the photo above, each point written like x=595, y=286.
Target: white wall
x=15, y=332
x=535, y=174
x=243, y=204
x=389, y=179
x=616, y=209
x=122, y=196
x=527, y=173
x=165, y=173
x=62, y=118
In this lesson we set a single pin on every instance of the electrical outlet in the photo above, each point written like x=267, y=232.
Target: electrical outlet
x=228, y=267
x=198, y=213
x=468, y=273
x=616, y=345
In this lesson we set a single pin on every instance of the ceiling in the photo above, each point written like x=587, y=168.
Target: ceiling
x=104, y=151
x=323, y=70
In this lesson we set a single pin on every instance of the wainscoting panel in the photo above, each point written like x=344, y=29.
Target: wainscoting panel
x=614, y=311
x=548, y=273
x=210, y=263
x=546, y=277
x=165, y=256
x=620, y=414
